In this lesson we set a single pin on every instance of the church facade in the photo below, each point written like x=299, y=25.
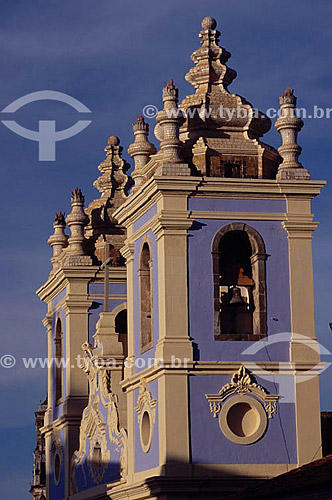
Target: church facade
x=182, y=303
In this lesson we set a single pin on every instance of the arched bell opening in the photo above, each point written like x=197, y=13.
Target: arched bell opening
x=238, y=255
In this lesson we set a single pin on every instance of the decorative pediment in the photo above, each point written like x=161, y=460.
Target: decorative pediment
x=146, y=415
x=243, y=382
x=56, y=445
x=145, y=397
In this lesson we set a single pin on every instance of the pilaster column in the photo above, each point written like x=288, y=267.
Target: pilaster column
x=77, y=332
x=171, y=233
x=47, y=322
x=128, y=253
x=299, y=230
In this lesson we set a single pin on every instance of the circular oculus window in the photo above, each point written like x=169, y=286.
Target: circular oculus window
x=57, y=468
x=243, y=420
x=146, y=430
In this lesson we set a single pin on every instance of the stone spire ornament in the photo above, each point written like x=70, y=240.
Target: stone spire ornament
x=210, y=59
x=221, y=132
x=113, y=185
x=113, y=182
x=77, y=220
x=289, y=124
x=59, y=240
x=169, y=120
x=140, y=150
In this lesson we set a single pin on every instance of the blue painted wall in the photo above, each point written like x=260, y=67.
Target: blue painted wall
x=234, y=205
x=145, y=217
x=58, y=298
x=114, y=288
x=208, y=443
x=210, y=446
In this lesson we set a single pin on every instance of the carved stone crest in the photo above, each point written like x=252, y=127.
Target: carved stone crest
x=243, y=383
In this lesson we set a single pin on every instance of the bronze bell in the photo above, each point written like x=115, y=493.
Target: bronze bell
x=236, y=299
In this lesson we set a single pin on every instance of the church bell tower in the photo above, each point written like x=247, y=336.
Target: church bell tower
x=189, y=301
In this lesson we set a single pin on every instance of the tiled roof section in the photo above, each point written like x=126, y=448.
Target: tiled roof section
x=311, y=481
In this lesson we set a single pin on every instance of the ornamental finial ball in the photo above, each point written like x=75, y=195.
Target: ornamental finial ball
x=113, y=141
x=209, y=23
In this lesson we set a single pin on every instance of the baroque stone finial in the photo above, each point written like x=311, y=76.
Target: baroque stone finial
x=288, y=125
x=59, y=240
x=210, y=70
x=113, y=185
x=113, y=141
x=209, y=23
x=288, y=97
x=214, y=114
x=76, y=221
x=140, y=150
x=60, y=219
x=113, y=182
x=169, y=121
x=77, y=197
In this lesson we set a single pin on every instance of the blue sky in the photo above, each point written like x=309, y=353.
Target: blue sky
x=114, y=57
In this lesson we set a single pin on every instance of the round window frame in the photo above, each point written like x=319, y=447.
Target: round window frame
x=57, y=477
x=227, y=431
x=146, y=447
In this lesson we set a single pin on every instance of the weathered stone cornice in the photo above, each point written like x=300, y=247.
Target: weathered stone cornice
x=128, y=251
x=58, y=282
x=151, y=192
x=283, y=368
x=214, y=187
x=299, y=228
